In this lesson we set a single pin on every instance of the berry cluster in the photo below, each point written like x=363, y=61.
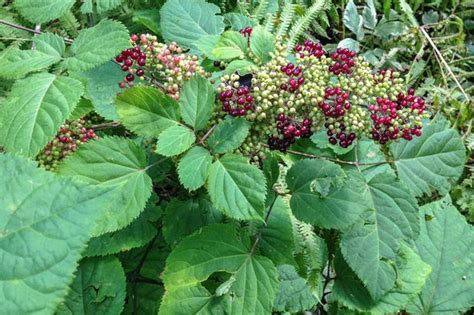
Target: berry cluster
x=309, y=48
x=395, y=119
x=166, y=64
x=131, y=61
x=343, y=61
x=246, y=31
x=70, y=136
x=335, y=102
x=236, y=99
x=295, y=75
x=290, y=130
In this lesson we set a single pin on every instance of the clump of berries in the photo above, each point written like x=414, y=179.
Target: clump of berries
x=343, y=61
x=235, y=97
x=309, y=48
x=165, y=64
x=70, y=136
x=246, y=31
x=290, y=130
x=295, y=77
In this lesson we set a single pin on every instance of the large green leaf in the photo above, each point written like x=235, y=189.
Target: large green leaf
x=276, y=240
x=183, y=217
x=446, y=242
x=185, y=21
x=252, y=286
x=106, y=5
x=99, y=288
x=97, y=45
x=102, y=87
x=193, y=168
x=42, y=11
x=35, y=109
x=294, y=294
x=352, y=20
x=322, y=194
x=45, y=223
x=117, y=163
x=197, y=102
x=431, y=161
x=229, y=135
x=262, y=44
x=231, y=44
x=16, y=63
x=51, y=44
x=412, y=273
x=237, y=188
x=370, y=247
x=147, y=111
x=175, y=140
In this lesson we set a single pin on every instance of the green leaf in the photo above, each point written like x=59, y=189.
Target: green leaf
x=243, y=67
x=294, y=294
x=16, y=63
x=42, y=11
x=217, y=248
x=34, y=111
x=50, y=44
x=350, y=44
x=409, y=13
x=276, y=241
x=352, y=19
x=150, y=18
x=323, y=195
x=147, y=111
x=206, y=44
x=370, y=15
x=193, y=168
x=430, y=162
x=371, y=247
x=185, y=21
x=446, y=241
x=387, y=4
x=262, y=44
x=197, y=102
x=175, y=140
x=120, y=165
x=45, y=223
x=237, y=188
x=229, y=135
x=231, y=44
x=83, y=108
x=182, y=218
x=97, y=45
x=99, y=288
x=139, y=233
x=106, y=5
x=238, y=21
x=102, y=87
x=412, y=273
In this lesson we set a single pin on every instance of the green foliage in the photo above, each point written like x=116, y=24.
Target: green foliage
x=16, y=63
x=197, y=102
x=193, y=168
x=175, y=140
x=41, y=11
x=228, y=135
x=35, y=109
x=231, y=44
x=262, y=44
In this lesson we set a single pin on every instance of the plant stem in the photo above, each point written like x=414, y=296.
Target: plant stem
x=23, y=28
x=257, y=239
x=207, y=134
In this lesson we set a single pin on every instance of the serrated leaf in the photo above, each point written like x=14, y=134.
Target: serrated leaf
x=243, y=67
x=147, y=111
x=185, y=21
x=193, y=168
x=371, y=247
x=183, y=217
x=350, y=44
x=50, y=44
x=352, y=19
x=99, y=288
x=42, y=11
x=137, y=234
x=237, y=188
x=370, y=15
x=262, y=44
x=197, y=102
x=97, y=45
x=34, y=111
x=16, y=63
x=323, y=195
x=45, y=223
x=446, y=241
x=412, y=273
x=83, y=108
x=102, y=87
x=276, y=241
x=431, y=161
x=228, y=135
x=175, y=140
x=106, y=5
x=294, y=294
x=231, y=44
x=150, y=18
x=120, y=165
x=206, y=44
x=238, y=21
x=217, y=248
